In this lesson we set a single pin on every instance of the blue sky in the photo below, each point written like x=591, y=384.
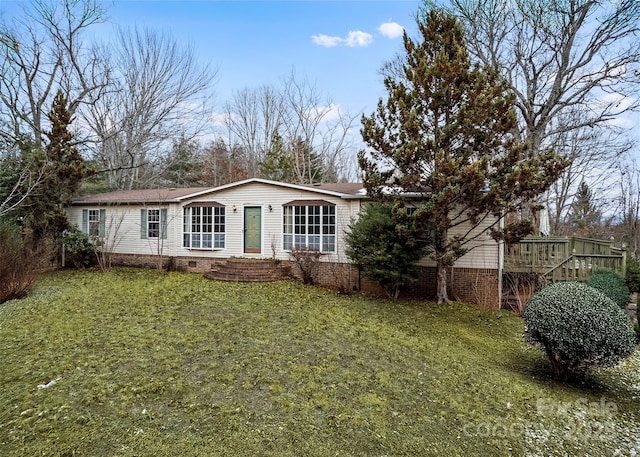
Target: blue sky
x=338, y=46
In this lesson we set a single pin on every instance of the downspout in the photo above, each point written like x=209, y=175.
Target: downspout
x=500, y=263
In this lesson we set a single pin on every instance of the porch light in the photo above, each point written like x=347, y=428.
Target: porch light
x=235, y=209
x=270, y=208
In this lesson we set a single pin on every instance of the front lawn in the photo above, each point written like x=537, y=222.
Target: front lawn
x=143, y=363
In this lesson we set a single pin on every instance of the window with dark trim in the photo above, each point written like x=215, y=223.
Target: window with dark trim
x=93, y=222
x=153, y=223
x=204, y=227
x=309, y=226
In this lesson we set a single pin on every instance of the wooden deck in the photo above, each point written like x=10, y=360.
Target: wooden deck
x=564, y=258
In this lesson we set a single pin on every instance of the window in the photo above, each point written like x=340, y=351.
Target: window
x=204, y=227
x=153, y=223
x=93, y=222
x=309, y=226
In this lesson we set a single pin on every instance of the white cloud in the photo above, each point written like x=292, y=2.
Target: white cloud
x=619, y=101
x=354, y=39
x=391, y=30
x=359, y=39
x=622, y=122
x=218, y=119
x=327, y=41
x=327, y=113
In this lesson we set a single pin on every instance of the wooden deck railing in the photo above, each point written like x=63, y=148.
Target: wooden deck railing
x=564, y=258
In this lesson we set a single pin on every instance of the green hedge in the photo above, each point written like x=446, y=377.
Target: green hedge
x=612, y=285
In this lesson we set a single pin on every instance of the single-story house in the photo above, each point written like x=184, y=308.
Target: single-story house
x=198, y=229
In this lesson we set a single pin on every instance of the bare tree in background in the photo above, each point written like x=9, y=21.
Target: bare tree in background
x=44, y=52
x=320, y=125
x=573, y=65
x=559, y=55
x=18, y=180
x=222, y=164
x=159, y=94
x=594, y=155
x=629, y=207
x=299, y=121
x=252, y=118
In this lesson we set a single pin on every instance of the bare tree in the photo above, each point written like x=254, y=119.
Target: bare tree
x=253, y=117
x=295, y=117
x=18, y=184
x=318, y=123
x=629, y=206
x=43, y=52
x=574, y=67
x=159, y=93
x=222, y=164
x=593, y=155
x=559, y=55
x=105, y=244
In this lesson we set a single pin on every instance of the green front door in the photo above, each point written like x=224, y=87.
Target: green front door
x=252, y=229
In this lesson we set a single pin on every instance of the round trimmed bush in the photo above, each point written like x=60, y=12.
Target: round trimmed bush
x=612, y=285
x=579, y=328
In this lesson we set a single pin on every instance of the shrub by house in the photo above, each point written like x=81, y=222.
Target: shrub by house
x=579, y=328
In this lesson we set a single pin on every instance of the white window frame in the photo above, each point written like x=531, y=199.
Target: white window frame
x=150, y=218
x=93, y=222
x=153, y=231
x=204, y=227
x=310, y=227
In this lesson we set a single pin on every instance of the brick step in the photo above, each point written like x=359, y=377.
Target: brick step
x=248, y=270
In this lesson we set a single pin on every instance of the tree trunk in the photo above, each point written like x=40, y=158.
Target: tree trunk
x=441, y=284
x=560, y=371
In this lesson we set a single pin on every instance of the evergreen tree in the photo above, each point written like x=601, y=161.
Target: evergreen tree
x=446, y=136
x=64, y=171
x=307, y=163
x=295, y=162
x=183, y=165
x=277, y=164
x=584, y=215
x=384, y=249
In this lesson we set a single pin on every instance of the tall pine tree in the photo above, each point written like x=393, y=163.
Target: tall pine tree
x=447, y=137
x=64, y=171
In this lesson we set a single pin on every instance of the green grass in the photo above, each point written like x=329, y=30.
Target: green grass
x=157, y=364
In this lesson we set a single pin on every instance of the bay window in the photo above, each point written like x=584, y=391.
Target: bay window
x=204, y=226
x=309, y=225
